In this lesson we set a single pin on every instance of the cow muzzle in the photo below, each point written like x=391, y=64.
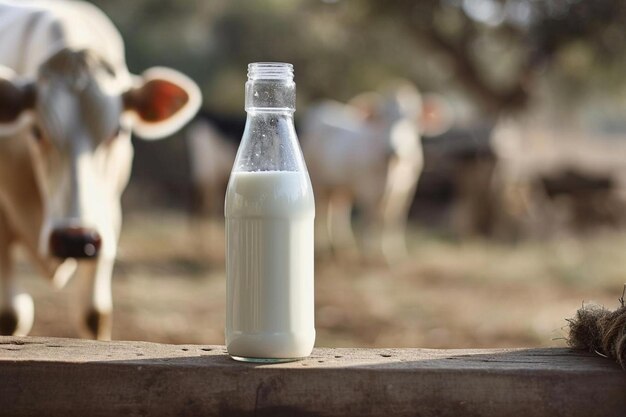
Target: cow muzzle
x=75, y=242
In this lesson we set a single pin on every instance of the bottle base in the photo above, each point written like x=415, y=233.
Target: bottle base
x=270, y=347
x=264, y=360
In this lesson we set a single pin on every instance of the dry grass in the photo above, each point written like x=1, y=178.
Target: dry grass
x=449, y=294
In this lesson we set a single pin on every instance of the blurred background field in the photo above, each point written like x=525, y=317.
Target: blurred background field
x=518, y=217
x=472, y=293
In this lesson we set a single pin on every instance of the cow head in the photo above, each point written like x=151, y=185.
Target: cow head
x=77, y=116
x=400, y=103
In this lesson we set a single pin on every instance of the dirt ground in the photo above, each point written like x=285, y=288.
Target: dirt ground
x=448, y=294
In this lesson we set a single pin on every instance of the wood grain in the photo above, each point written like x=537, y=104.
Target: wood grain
x=68, y=377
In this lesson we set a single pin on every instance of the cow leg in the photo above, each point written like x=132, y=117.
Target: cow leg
x=25, y=221
x=98, y=316
x=399, y=195
x=57, y=271
x=370, y=198
x=199, y=217
x=322, y=234
x=8, y=315
x=340, y=225
x=202, y=206
x=206, y=221
x=214, y=236
x=17, y=310
x=371, y=233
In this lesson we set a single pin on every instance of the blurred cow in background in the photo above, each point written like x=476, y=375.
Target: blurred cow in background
x=211, y=158
x=68, y=105
x=553, y=178
x=368, y=154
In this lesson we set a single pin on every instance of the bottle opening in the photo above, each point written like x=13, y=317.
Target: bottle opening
x=270, y=71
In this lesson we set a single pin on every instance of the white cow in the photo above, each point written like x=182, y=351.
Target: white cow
x=68, y=105
x=368, y=154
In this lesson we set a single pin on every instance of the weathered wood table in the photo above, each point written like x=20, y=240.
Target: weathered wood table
x=67, y=377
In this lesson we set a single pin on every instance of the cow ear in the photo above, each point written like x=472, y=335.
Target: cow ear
x=162, y=103
x=437, y=115
x=16, y=98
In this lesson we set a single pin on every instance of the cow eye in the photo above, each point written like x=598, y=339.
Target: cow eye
x=37, y=133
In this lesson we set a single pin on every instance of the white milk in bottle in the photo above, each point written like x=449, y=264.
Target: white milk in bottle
x=269, y=228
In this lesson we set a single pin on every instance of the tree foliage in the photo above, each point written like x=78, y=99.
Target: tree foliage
x=498, y=48
x=494, y=52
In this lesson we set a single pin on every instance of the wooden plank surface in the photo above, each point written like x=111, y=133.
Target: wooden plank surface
x=68, y=377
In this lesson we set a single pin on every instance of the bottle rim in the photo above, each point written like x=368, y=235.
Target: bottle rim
x=270, y=71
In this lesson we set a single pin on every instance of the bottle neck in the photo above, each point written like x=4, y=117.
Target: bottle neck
x=269, y=141
x=270, y=87
x=270, y=95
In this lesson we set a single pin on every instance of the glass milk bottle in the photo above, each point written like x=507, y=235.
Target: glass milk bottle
x=269, y=228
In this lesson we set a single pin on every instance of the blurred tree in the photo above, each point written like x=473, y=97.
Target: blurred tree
x=214, y=41
x=492, y=51
x=497, y=48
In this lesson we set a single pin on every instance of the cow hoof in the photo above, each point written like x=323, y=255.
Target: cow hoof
x=99, y=324
x=17, y=319
x=8, y=323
